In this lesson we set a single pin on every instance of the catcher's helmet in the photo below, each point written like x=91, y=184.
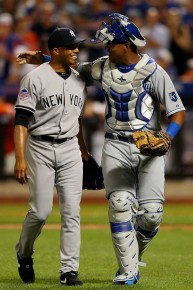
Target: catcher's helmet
x=119, y=30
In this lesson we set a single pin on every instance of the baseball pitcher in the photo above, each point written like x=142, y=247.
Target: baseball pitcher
x=48, y=153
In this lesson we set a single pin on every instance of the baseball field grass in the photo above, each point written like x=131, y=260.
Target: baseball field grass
x=169, y=258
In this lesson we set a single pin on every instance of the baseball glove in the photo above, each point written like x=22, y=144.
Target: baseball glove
x=152, y=144
x=92, y=175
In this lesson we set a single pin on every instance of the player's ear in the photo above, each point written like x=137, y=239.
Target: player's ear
x=55, y=51
x=127, y=45
x=125, y=48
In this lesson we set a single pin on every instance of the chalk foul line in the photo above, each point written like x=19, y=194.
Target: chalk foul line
x=96, y=227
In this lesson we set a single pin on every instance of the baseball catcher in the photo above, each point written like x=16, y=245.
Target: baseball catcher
x=152, y=144
x=92, y=175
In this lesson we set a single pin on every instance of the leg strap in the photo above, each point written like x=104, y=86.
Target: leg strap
x=147, y=224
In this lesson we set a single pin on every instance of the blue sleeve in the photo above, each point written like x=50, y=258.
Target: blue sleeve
x=173, y=129
x=46, y=58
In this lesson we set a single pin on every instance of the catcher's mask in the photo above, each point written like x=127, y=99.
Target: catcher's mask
x=119, y=30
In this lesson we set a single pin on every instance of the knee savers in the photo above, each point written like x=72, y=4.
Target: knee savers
x=120, y=206
x=152, y=216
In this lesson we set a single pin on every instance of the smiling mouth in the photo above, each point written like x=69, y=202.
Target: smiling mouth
x=74, y=57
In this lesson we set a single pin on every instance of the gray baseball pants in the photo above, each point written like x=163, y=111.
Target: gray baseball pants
x=50, y=165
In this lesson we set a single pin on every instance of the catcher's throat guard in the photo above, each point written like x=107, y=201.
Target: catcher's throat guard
x=119, y=30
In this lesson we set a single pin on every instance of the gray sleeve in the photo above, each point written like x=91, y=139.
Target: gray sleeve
x=85, y=73
x=85, y=70
x=165, y=92
x=27, y=96
x=83, y=108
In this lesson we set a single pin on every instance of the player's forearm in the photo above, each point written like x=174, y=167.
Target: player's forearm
x=83, y=148
x=31, y=57
x=178, y=117
x=20, y=137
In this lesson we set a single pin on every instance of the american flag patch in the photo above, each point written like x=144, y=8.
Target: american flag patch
x=173, y=96
x=23, y=94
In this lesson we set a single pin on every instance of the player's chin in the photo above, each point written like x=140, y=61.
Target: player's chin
x=73, y=63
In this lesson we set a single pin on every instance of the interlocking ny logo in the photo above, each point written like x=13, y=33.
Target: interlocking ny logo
x=72, y=33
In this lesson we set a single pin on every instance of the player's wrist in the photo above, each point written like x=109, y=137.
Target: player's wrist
x=168, y=136
x=85, y=156
x=173, y=129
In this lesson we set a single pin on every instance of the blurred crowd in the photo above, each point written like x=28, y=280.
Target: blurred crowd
x=167, y=26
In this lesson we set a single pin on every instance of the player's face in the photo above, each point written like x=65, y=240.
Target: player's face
x=68, y=55
x=116, y=52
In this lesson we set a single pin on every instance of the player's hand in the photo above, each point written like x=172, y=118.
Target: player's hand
x=21, y=172
x=92, y=174
x=30, y=57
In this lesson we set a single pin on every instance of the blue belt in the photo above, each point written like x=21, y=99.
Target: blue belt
x=112, y=136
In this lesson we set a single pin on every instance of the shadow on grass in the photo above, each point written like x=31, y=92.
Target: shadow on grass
x=97, y=281
x=8, y=283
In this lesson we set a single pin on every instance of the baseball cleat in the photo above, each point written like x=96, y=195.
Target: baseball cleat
x=126, y=278
x=70, y=279
x=25, y=269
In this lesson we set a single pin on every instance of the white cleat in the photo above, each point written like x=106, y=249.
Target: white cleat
x=126, y=278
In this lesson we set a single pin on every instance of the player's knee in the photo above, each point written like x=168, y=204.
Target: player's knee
x=151, y=218
x=120, y=206
x=42, y=216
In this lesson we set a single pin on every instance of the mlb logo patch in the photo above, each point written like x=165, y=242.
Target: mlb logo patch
x=173, y=96
x=23, y=94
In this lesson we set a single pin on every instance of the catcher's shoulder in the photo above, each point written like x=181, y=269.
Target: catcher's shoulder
x=97, y=67
x=160, y=71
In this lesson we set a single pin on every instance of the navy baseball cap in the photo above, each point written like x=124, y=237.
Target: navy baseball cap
x=63, y=37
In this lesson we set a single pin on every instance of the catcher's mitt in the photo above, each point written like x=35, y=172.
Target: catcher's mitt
x=152, y=144
x=92, y=175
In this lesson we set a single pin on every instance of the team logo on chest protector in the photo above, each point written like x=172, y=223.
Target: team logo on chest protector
x=129, y=106
x=121, y=79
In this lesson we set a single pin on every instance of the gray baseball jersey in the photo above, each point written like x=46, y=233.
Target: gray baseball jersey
x=56, y=103
x=133, y=97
